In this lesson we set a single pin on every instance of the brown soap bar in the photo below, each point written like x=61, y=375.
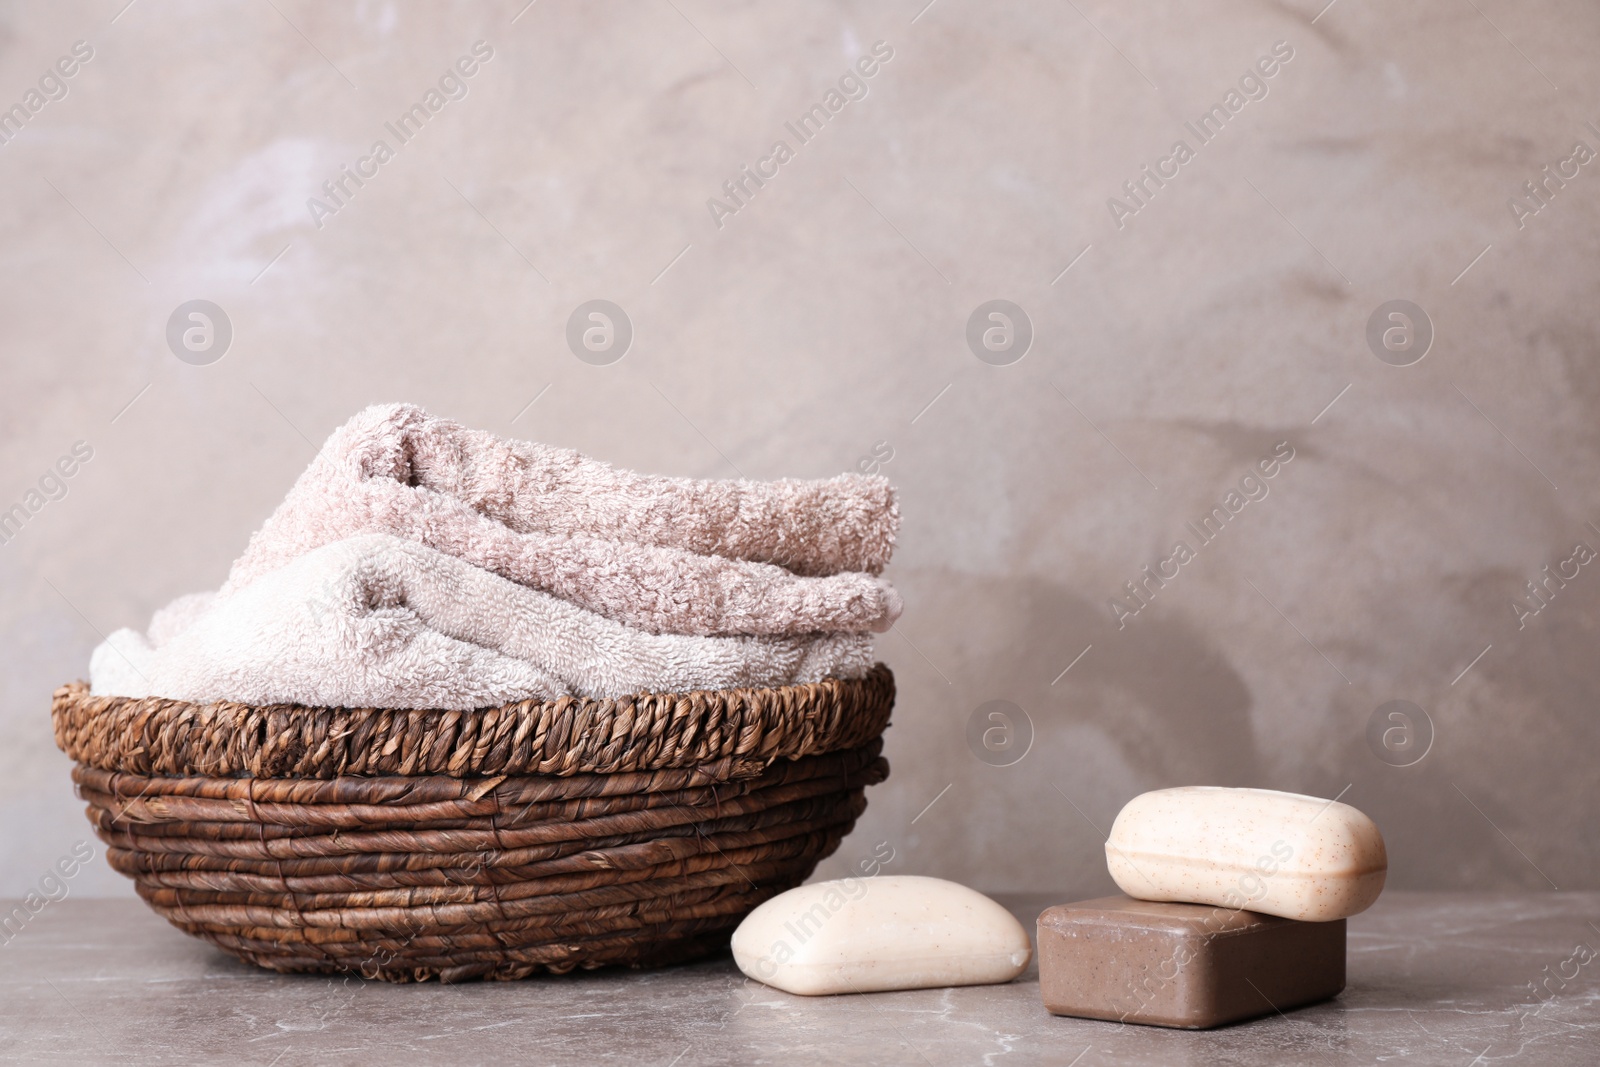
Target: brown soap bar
x=1186, y=965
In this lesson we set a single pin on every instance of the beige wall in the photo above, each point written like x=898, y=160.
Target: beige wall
x=830, y=312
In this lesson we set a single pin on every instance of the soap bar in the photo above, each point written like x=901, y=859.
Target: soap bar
x=862, y=935
x=1182, y=965
x=1276, y=853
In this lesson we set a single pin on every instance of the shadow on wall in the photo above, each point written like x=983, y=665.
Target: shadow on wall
x=1156, y=705
x=1161, y=704
x=1469, y=814
x=1162, y=691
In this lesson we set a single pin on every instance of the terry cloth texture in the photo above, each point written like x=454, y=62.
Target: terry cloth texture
x=377, y=621
x=668, y=555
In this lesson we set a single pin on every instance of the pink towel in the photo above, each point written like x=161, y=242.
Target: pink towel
x=668, y=555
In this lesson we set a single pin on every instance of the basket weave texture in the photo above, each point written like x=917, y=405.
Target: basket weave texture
x=536, y=836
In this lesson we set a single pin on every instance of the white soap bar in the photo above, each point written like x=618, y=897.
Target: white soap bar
x=1276, y=853
x=862, y=935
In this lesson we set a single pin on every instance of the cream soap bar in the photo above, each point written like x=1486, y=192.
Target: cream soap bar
x=1282, y=854
x=862, y=935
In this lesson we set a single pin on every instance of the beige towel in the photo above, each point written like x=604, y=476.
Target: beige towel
x=668, y=555
x=376, y=621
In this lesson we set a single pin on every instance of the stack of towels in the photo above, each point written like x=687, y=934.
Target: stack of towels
x=418, y=563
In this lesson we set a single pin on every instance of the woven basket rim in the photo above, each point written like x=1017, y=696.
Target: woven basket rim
x=727, y=733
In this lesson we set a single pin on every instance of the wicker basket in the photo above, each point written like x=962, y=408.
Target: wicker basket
x=537, y=836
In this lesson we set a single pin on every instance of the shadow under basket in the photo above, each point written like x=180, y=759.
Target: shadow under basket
x=535, y=836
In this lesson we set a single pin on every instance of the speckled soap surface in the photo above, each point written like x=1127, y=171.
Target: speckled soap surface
x=1433, y=978
x=1282, y=854
x=1191, y=966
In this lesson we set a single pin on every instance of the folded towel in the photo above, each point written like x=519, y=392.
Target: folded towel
x=376, y=621
x=669, y=555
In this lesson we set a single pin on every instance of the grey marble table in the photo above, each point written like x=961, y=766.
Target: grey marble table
x=1434, y=978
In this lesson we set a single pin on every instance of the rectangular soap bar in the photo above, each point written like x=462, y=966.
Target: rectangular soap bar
x=1193, y=966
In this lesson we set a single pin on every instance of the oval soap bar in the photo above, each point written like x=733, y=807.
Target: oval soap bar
x=1275, y=853
x=862, y=935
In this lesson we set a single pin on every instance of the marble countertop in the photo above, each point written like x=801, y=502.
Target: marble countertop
x=1434, y=978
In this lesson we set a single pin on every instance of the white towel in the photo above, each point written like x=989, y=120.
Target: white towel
x=377, y=621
